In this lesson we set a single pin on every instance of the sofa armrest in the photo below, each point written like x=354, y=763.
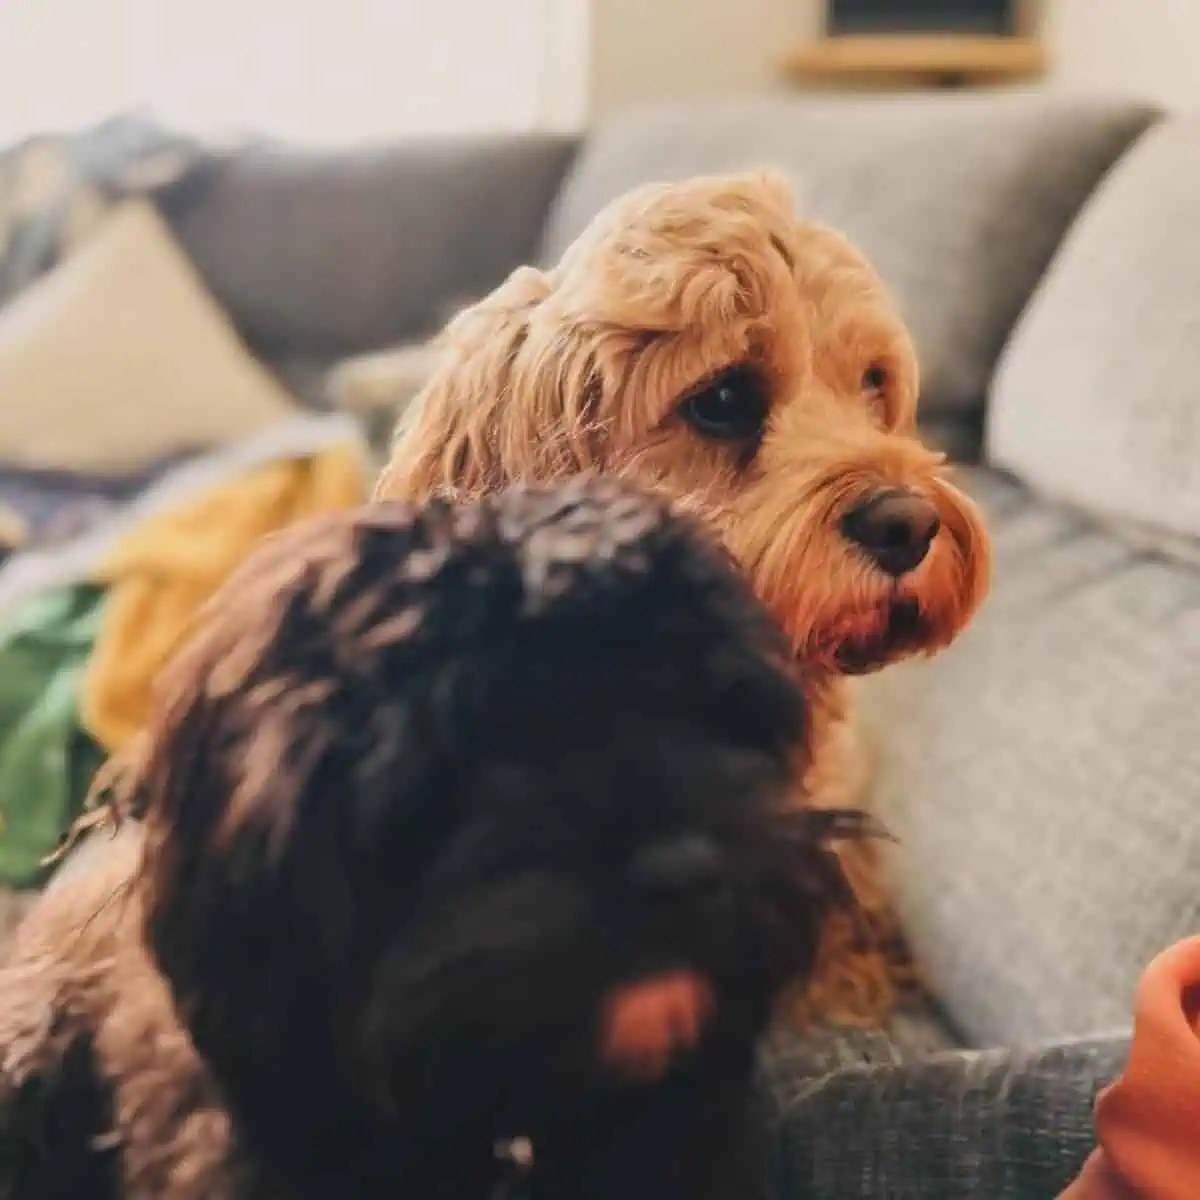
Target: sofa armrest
x=344, y=251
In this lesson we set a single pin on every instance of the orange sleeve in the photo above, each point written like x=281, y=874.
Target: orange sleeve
x=1148, y=1122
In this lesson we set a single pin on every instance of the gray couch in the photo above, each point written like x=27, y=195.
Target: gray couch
x=1042, y=775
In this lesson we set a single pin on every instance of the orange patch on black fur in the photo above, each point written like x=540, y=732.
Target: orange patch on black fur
x=645, y=1025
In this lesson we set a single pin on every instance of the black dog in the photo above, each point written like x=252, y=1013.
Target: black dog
x=463, y=860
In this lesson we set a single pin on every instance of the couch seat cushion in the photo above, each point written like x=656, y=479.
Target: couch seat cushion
x=1043, y=776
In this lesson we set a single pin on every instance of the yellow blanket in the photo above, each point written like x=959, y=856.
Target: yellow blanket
x=162, y=571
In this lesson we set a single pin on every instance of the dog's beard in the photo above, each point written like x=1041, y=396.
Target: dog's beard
x=842, y=613
x=894, y=629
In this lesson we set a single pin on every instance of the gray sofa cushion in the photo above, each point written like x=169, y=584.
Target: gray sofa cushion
x=1043, y=776
x=1096, y=401
x=960, y=201
x=340, y=252
x=996, y=1125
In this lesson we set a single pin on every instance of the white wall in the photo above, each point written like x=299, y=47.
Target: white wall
x=320, y=70
x=1148, y=48
x=651, y=49
x=675, y=49
x=341, y=70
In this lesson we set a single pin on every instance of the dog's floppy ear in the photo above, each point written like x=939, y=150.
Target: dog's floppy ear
x=515, y=399
x=456, y=438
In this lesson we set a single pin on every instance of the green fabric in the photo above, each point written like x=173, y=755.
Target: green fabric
x=46, y=760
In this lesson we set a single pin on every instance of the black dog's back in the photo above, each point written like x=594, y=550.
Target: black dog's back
x=446, y=812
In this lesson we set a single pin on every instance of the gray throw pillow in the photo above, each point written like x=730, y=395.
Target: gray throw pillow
x=1097, y=399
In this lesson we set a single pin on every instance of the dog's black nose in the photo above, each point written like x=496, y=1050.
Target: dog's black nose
x=896, y=528
x=684, y=864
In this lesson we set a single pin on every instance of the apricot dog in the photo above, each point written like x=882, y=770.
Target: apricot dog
x=702, y=340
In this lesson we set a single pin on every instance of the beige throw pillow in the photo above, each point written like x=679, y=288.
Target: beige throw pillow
x=120, y=356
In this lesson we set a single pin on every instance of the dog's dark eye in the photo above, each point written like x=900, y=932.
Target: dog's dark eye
x=731, y=407
x=875, y=379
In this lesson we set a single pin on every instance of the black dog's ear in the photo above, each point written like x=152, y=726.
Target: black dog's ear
x=248, y=914
x=55, y=1107
x=257, y=770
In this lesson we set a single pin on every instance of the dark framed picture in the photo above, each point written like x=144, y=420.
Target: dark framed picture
x=922, y=16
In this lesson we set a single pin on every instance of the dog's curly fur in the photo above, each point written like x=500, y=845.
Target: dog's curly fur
x=456, y=824
x=699, y=339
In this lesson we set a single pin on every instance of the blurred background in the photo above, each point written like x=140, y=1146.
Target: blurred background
x=230, y=229
x=382, y=68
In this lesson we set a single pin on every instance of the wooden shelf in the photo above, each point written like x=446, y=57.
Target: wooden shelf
x=947, y=60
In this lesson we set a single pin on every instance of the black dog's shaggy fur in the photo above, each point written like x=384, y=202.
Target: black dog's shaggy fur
x=425, y=791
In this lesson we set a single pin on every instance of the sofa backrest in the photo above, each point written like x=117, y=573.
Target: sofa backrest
x=959, y=200
x=329, y=253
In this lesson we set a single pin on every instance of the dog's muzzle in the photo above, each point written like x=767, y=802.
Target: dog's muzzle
x=894, y=528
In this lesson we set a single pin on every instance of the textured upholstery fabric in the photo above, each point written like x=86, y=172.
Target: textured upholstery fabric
x=1096, y=402
x=1043, y=777
x=342, y=252
x=960, y=201
x=1002, y=1125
